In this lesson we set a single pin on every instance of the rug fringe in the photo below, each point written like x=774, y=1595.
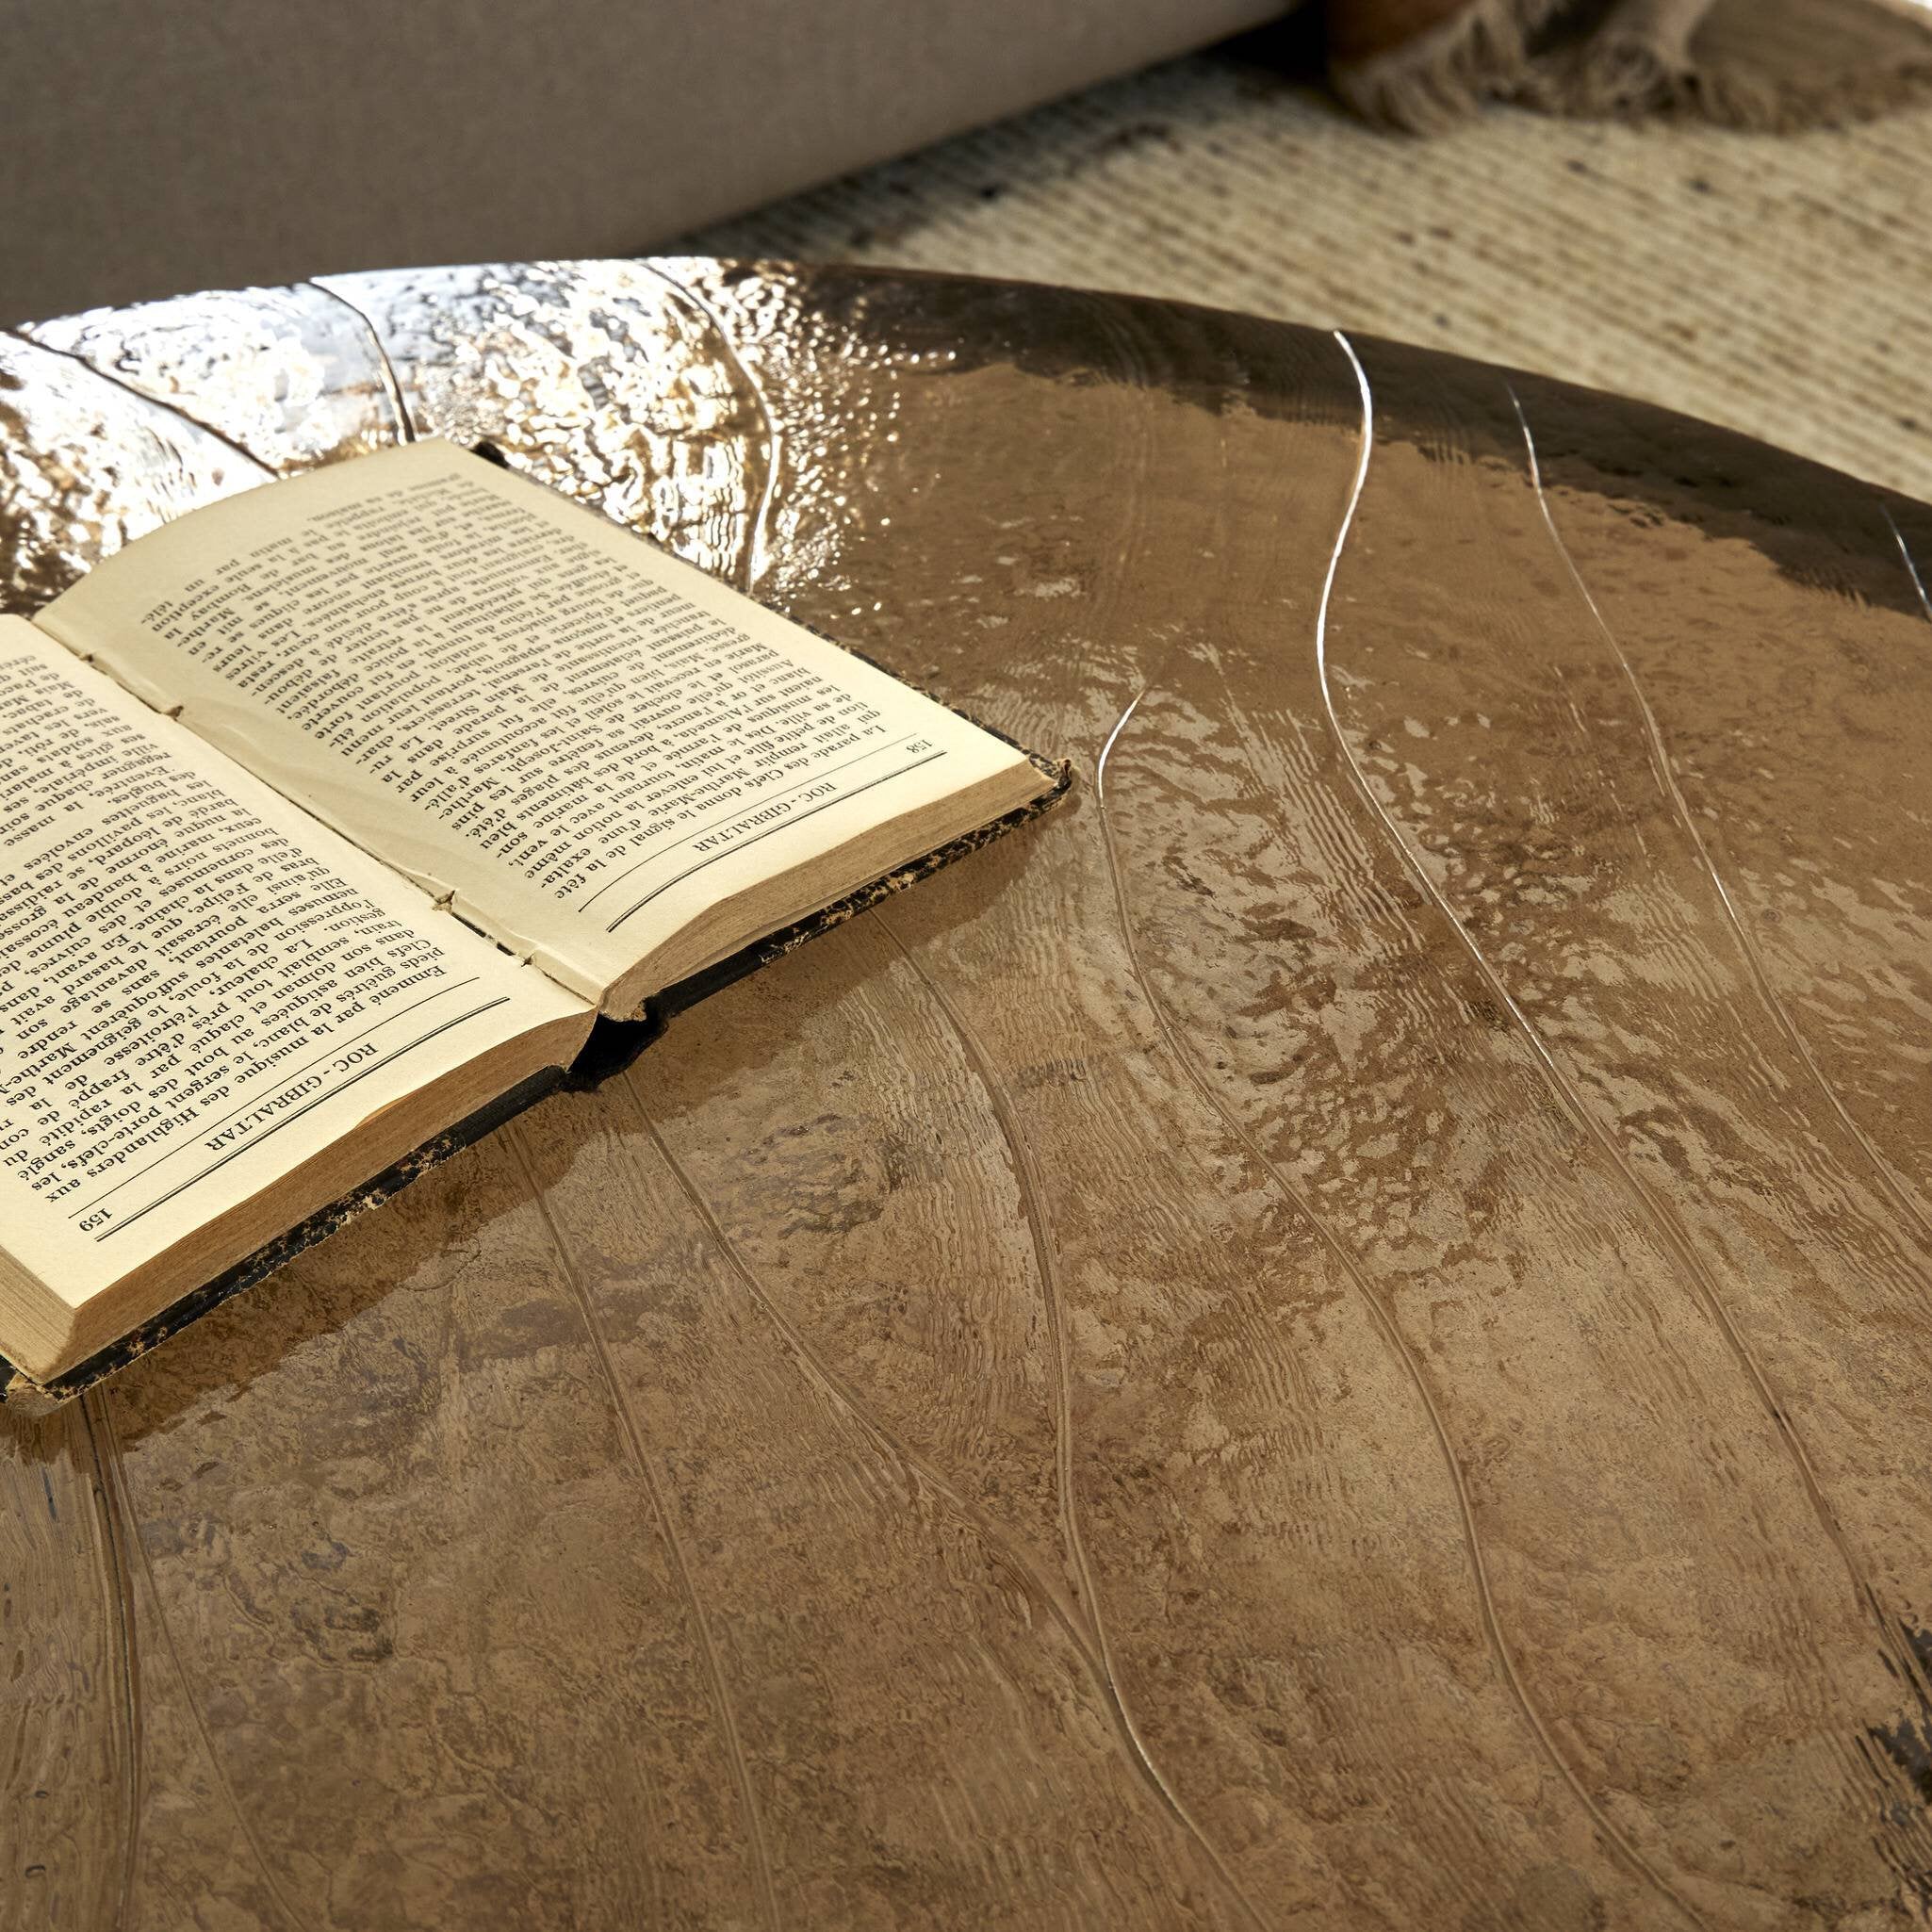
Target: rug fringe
x=1627, y=74
x=1759, y=102
x=1645, y=64
x=1445, y=74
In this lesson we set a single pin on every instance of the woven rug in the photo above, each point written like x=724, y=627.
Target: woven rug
x=1780, y=285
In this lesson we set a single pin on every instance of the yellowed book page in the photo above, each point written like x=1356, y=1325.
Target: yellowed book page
x=580, y=739
x=200, y=986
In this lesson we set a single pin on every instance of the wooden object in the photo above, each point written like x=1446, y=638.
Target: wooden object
x=1335, y=1335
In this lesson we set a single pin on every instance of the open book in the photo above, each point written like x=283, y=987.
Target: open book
x=331, y=817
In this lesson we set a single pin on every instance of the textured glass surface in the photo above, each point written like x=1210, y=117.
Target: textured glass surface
x=292, y=376
x=603, y=379
x=1338, y=1334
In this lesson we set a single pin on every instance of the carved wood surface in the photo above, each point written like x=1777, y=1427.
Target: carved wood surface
x=1335, y=1335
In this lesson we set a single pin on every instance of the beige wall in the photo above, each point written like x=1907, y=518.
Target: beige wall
x=150, y=149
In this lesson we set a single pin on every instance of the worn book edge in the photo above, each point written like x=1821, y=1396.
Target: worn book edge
x=612, y=1045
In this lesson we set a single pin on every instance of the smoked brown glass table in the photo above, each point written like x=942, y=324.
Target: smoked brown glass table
x=1336, y=1334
